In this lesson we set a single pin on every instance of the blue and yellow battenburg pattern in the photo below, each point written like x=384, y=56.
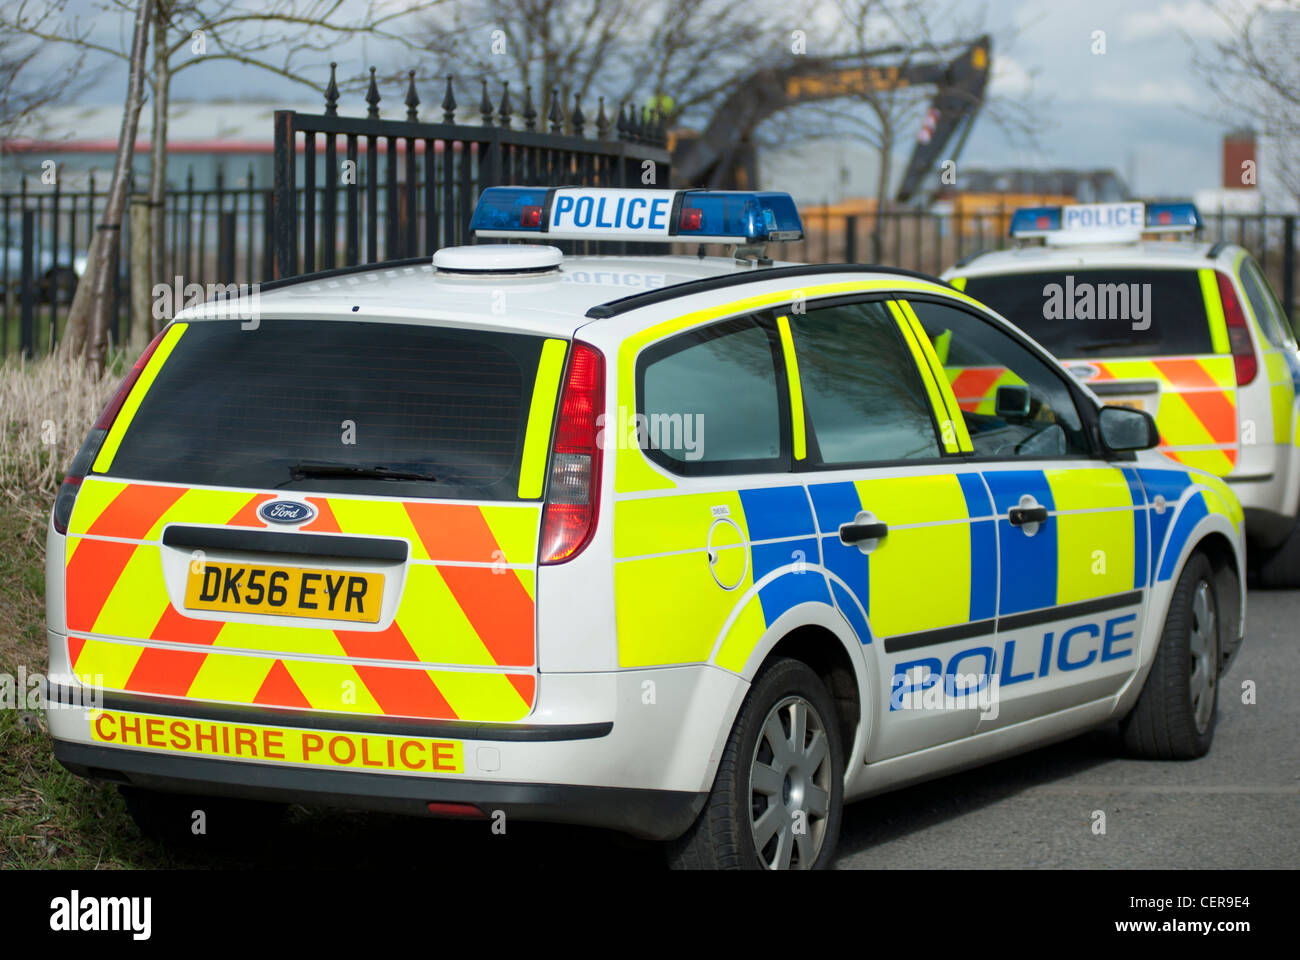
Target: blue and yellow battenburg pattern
x=951, y=557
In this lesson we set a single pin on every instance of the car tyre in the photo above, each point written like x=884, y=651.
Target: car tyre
x=778, y=796
x=1175, y=715
x=170, y=818
x=1280, y=567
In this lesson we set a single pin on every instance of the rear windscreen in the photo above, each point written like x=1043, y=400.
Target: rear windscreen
x=1107, y=312
x=337, y=406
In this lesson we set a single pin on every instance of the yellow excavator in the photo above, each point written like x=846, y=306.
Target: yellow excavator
x=723, y=157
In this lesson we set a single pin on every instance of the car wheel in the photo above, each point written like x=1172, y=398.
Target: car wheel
x=173, y=818
x=1279, y=568
x=1175, y=714
x=778, y=796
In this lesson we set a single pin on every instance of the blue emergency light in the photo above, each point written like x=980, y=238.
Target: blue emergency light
x=662, y=216
x=1103, y=222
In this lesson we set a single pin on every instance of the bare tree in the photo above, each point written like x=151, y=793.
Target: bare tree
x=108, y=237
x=1255, y=74
x=284, y=38
x=676, y=55
x=24, y=88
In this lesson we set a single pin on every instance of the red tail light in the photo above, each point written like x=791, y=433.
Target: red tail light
x=573, y=493
x=1243, y=354
x=81, y=463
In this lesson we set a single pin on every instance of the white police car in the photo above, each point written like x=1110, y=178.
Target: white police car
x=1189, y=331
x=691, y=548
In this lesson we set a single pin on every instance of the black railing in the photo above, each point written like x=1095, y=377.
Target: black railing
x=216, y=235
x=224, y=235
x=416, y=182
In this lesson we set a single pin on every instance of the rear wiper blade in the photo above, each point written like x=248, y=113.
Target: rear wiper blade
x=1095, y=345
x=378, y=471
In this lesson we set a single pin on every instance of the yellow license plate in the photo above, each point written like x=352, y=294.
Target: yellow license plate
x=285, y=591
x=1134, y=404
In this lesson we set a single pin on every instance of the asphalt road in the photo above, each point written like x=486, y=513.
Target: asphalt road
x=1238, y=807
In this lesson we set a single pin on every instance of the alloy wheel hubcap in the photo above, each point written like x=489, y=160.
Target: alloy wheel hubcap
x=790, y=786
x=1204, y=648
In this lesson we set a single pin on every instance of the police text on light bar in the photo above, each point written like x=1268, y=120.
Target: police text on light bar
x=1103, y=222
x=663, y=216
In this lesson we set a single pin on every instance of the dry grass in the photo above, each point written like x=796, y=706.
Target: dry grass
x=46, y=408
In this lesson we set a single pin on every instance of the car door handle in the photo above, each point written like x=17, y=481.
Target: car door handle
x=851, y=533
x=1019, y=516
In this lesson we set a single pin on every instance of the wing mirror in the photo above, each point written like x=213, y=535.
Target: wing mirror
x=1011, y=402
x=1124, y=429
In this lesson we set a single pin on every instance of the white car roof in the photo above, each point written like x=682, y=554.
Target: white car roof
x=550, y=304
x=1160, y=254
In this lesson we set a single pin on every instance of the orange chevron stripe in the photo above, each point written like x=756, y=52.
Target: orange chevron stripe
x=90, y=577
x=74, y=650
x=247, y=516
x=324, y=521
x=526, y=684
x=409, y=693
x=135, y=510
x=1213, y=408
x=279, y=689
x=165, y=672
x=454, y=532
x=175, y=627
x=976, y=382
x=390, y=644
x=499, y=609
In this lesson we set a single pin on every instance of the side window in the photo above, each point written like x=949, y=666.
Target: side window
x=862, y=395
x=1266, y=309
x=1014, y=404
x=711, y=402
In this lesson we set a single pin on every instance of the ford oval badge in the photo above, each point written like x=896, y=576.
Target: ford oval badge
x=286, y=511
x=1083, y=371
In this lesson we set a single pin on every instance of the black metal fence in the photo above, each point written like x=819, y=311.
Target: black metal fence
x=933, y=242
x=416, y=182
x=219, y=234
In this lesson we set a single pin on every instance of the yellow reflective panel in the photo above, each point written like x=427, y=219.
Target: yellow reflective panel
x=1095, y=549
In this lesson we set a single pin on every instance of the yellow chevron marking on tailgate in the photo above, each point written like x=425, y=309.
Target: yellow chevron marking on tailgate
x=232, y=678
x=1179, y=426
x=201, y=506
x=112, y=661
x=73, y=543
x=94, y=496
x=332, y=686
x=280, y=639
x=483, y=696
x=138, y=598
x=386, y=518
x=515, y=530
x=434, y=624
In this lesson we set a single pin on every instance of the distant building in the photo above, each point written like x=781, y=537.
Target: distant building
x=982, y=201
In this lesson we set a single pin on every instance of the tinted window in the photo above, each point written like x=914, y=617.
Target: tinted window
x=978, y=359
x=1268, y=312
x=711, y=402
x=862, y=395
x=234, y=407
x=1108, y=312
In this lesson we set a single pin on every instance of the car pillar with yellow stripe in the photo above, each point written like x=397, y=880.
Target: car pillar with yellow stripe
x=1148, y=316
x=696, y=548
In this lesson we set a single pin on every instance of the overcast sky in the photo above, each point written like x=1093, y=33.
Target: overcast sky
x=1139, y=108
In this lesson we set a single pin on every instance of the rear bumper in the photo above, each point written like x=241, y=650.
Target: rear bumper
x=651, y=814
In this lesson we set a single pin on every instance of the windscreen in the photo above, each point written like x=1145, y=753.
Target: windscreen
x=1103, y=312
x=337, y=407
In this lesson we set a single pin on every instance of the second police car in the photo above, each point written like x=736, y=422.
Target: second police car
x=692, y=548
x=1189, y=331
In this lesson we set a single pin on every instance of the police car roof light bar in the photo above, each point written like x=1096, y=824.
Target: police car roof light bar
x=742, y=217
x=1103, y=222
